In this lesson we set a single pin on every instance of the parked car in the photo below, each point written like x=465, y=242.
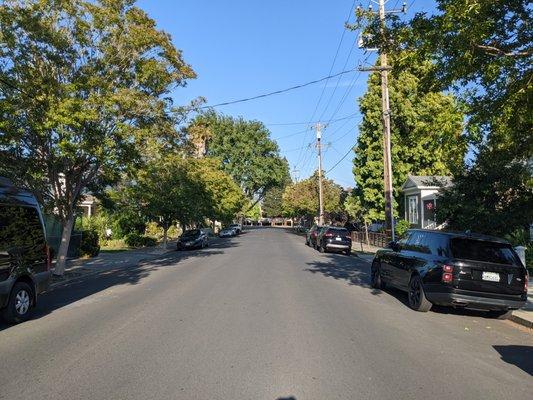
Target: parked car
x=453, y=269
x=332, y=238
x=193, y=239
x=238, y=228
x=310, y=237
x=227, y=232
x=25, y=260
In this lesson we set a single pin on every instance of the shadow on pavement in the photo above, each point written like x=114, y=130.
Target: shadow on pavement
x=126, y=274
x=521, y=356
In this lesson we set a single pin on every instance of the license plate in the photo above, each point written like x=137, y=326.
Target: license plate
x=490, y=276
x=338, y=239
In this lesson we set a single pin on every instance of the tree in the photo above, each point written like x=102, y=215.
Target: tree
x=482, y=52
x=247, y=153
x=301, y=198
x=83, y=86
x=273, y=202
x=426, y=137
x=171, y=189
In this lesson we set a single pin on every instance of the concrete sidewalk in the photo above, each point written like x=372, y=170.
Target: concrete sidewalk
x=108, y=260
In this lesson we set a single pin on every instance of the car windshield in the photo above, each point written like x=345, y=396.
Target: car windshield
x=338, y=231
x=191, y=233
x=485, y=251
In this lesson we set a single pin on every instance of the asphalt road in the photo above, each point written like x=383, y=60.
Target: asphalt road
x=261, y=316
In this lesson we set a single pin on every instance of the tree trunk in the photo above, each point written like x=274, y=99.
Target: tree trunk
x=165, y=235
x=366, y=234
x=59, y=269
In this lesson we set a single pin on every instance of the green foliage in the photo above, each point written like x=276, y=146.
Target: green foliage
x=253, y=212
x=401, y=227
x=125, y=223
x=301, y=198
x=89, y=246
x=245, y=149
x=136, y=240
x=84, y=93
x=426, y=137
x=273, y=202
x=493, y=196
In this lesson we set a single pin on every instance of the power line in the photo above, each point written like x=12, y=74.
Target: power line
x=338, y=162
x=277, y=91
x=307, y=123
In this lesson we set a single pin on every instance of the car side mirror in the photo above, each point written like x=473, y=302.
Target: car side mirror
x=394, y=246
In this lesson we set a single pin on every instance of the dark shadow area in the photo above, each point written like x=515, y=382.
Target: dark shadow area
x=521, y=356
x=286, y=398
x=129, y=273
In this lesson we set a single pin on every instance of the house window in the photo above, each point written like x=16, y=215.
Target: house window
x=413, y=209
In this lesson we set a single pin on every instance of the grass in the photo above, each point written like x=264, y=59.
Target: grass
x=114, y=246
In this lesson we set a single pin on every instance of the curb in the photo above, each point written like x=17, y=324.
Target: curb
x=521, y=321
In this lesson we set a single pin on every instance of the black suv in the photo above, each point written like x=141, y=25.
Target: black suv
x=331, y=238
x=24, y=255
x=453, y=269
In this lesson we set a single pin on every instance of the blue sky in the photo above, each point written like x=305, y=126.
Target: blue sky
x=244, y=48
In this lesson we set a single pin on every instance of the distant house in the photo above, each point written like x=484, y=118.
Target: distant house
x=420, y=196
x=88, y=205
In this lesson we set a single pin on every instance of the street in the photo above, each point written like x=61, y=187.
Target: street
x=260, y=316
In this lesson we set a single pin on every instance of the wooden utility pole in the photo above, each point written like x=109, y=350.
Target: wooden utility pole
x=318, y=128
x=387, y=162
x=384, y=69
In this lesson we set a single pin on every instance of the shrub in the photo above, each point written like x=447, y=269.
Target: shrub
x=401, y=228
x=89, y=246
x=136, y=240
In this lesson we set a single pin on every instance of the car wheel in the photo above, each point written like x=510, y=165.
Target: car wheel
x=348, y=252
x=20, y=302
x=375, y=276
x=416, y=295
x=500, y=314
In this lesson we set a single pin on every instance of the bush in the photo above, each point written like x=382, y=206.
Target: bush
x=401, y=228
x=89, y=246
x=136, y=240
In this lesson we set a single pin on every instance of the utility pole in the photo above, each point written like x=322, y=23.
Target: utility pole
x=384, y=69
x=319, y=128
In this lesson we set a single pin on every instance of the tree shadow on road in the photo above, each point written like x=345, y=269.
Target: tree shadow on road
x=126, y=274
x=521, y=356
x=352, y=269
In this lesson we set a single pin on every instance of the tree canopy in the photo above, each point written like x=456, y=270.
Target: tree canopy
x=245, y=148
x=84, y=88
x=426, y=137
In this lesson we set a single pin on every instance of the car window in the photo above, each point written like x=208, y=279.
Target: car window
x=438, y=244
x=21, y=232
x=418, y=242
x=486, y=251
x=194, y=232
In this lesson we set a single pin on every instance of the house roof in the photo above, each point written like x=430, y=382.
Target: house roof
x=427, y=181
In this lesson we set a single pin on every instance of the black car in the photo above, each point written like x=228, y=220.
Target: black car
x=331, y=238
x=453, y=269
x=193, y=239
x=24, y=255
x=311, y=236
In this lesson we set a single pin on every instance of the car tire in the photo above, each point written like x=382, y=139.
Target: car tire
x=500, y=314
x=417, y=296
x=20, y=303
x=375, y=276
x=348, y=252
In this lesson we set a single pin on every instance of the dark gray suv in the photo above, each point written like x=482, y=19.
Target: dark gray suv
x=24, y=254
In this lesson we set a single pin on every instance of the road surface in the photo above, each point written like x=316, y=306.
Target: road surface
x=260, y=316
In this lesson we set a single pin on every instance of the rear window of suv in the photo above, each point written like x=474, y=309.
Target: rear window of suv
x=485, y=251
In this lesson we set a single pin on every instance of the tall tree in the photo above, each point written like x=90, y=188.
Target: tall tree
x=301, y=198
x=83, y=90
x=426, y=137
x=247, y=152
x=482, y=51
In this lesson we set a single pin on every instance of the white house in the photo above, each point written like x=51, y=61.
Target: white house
x=420, y=195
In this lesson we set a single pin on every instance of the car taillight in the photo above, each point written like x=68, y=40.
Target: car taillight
x=348, y=237
x=447, y=274
x=526, y=277
x=328, y=234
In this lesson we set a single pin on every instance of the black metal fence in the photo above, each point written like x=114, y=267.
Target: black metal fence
x=374, y=238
